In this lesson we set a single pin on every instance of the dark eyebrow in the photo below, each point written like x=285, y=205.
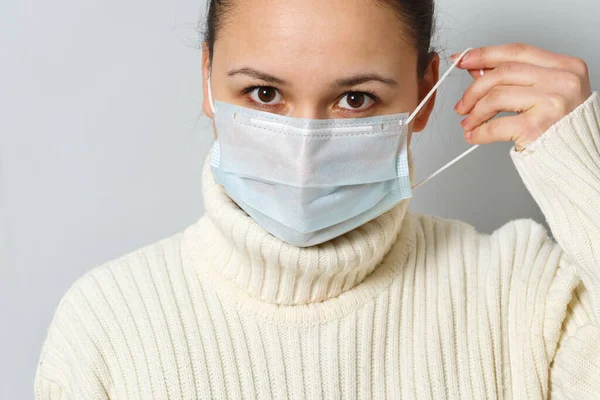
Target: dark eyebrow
x=358, y=79
x=258, y=75
x=343, y=82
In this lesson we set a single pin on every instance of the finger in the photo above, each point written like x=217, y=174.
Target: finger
x=492, y=56
x=478, y=73
x=503, y=129
x=518, y=74
x=501, y=99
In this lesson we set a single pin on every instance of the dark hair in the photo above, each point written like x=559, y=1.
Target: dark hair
x=418, y=15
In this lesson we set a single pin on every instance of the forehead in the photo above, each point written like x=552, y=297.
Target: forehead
x=314, y=36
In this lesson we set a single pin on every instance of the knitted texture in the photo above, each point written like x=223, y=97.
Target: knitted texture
x=408, y=305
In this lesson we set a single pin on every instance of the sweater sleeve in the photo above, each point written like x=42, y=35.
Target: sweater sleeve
x=67, y=369
x=49, y=390
x=561, y=170
x=575, y=369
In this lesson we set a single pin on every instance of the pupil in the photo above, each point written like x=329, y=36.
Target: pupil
x=266, y=94
x=355, y=100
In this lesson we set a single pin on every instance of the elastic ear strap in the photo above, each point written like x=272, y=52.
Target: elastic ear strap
x=210, y=98
x=445, y=166
x=436, y=86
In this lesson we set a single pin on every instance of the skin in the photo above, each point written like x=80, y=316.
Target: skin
x=541, y=86
x=293, y=42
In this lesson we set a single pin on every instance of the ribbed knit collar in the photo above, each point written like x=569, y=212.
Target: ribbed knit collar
x=232, y=245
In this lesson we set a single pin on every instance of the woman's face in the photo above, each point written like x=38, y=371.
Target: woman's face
x=317, y=59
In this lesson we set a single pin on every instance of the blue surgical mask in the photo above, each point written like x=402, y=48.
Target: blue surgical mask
x=307, y=181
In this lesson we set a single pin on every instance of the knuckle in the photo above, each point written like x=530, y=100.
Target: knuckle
x=490, y=128
x=473, y=93
x=476, y=111
x=479, y=133
x=483, y=51
x=469, y=91
x=532, y=127
x=508, y=68
x=495, y=94
x=581, y=67
x=519, y=48
x=467, y=96
x=520, y=131
x=558, y=103
x=573, y=81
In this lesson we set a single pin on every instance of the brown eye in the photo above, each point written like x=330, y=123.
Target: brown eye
x=355, y=100
x=265, y=95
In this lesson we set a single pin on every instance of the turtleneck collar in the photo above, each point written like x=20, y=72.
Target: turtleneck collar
x=234, y=247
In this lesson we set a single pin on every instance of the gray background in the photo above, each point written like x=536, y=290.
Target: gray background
x=102, y=139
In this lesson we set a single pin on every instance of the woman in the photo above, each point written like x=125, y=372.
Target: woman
x=307, y=277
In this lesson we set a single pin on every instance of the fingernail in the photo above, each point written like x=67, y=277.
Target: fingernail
x=468, y=135
x=458, y=105
x=464, y=122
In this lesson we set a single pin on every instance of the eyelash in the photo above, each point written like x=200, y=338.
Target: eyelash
x=368, y=93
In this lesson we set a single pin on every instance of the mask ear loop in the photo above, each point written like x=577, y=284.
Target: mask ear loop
x=414, y=113
x=210, y=98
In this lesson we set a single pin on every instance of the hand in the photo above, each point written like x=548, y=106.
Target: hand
x=542, y=87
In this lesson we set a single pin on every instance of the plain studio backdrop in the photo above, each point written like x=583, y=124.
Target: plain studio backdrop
x=102, y=139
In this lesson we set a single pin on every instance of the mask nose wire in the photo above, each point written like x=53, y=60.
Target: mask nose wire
x=407, y=121
x=210, y=98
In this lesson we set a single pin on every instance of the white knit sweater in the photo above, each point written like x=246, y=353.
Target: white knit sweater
x=406, y=306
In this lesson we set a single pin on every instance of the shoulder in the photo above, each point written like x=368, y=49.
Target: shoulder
x=523, y=235
x=100, y=306
x=512, y=226
x=95, y=323
x=517, y=260
x=518, y=266
x=535, y=274
x=123, y=274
